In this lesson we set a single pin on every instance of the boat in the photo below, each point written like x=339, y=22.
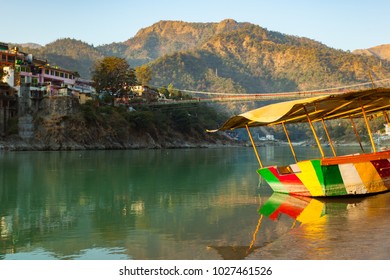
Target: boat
x=326, y=176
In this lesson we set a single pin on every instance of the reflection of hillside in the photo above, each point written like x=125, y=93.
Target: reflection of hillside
x=68, y=202
x=172, y=204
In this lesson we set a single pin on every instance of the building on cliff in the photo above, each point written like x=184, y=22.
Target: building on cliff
x=147, y=93
x=8, y=106
x=25, y=81
x=21, y=68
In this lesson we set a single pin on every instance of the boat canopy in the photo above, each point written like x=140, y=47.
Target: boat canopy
x=340, y=105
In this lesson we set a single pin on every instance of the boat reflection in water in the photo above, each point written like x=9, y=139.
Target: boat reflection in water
x=300, y=209
x=281, y=213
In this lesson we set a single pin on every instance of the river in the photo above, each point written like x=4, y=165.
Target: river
x=174, y=204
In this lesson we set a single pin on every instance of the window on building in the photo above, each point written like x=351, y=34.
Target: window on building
x=61, y=74
x=56, y=73
x=47, y=71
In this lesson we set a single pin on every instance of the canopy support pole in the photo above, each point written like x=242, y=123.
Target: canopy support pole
x=386, y=117
x=314, y=133
x=368, y=129
x=327, y=135
x=254, y=146
x=254, y=235
x=289, y=142
x=356, y=134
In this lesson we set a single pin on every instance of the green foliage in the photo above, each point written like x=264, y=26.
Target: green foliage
x=171, y=90
x=13, y=126
x=89, y=113
x=225, y=56
x=107, y=98
x=170, y=119
x=113, y=75
x=143, y=74
x=182, y=120
x=164, y=91
x=141, y=120
x=252, y=59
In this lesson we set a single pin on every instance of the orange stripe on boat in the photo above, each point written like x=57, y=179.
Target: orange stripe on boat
x=356, y=158
x=370, y=177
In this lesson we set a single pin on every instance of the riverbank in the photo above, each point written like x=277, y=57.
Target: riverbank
x=140, y=142
x=64, y=124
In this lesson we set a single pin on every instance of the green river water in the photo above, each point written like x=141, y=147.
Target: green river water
x=166, y=204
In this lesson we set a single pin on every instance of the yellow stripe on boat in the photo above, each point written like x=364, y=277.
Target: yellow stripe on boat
x=312, y=212
x=309, y=178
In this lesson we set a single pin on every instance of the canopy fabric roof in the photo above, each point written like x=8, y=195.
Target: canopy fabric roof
x=335, y=106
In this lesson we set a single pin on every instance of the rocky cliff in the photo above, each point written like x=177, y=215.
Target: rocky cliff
x=62, y=124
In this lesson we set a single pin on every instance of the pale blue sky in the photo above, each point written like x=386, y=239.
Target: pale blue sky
x=340, y=24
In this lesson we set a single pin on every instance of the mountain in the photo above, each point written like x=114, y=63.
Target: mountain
x=249, y=58
x=68, y=53
x=31, y=45
x=381, y=51
x=166, y=38
x=228, y=56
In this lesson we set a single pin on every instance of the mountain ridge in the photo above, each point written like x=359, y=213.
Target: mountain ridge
x=227, y=55
x=381, y=51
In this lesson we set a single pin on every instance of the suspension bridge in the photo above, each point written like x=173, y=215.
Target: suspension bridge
x=210, y=97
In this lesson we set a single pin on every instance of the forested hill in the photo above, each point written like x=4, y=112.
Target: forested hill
x=225, y=57
x=167, y=38
x=253, y=59
x=381, y=51
x=68, y=53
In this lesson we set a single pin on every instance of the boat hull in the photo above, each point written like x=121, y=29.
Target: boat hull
x=339, y=176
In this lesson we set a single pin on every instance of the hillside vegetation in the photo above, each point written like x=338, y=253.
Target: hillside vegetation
x=67, y=53
x=223, y=57
x=382, y=51
x=228, y=56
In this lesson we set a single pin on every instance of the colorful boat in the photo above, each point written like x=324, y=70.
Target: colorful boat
x=355, y=174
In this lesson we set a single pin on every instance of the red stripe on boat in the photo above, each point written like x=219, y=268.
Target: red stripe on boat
x=290, y=182
x=382, y=166
x=288, y=208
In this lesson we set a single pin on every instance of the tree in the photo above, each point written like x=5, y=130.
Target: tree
x=143, y=74
x=164, y=91
x=1, y=73
x=171, y=90
x=113, y=75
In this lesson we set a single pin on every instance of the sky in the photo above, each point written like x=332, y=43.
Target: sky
x=340, y=24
